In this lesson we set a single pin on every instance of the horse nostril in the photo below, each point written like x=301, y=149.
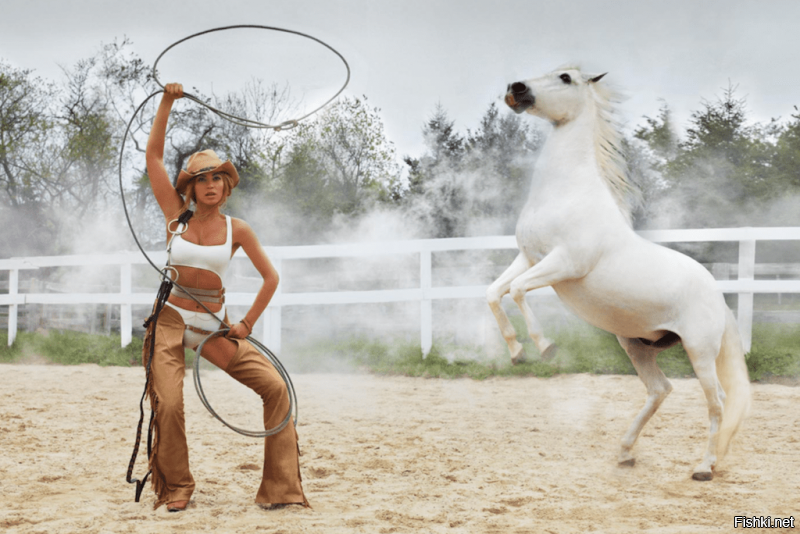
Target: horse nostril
x=518, y=88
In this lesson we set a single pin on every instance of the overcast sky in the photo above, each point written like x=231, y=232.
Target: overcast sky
x=407, y=55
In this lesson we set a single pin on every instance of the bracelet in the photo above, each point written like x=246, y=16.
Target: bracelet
x=248, y=325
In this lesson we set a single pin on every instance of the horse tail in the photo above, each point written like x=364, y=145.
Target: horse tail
x=735, y=380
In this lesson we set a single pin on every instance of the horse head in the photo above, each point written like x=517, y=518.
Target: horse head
x=557, y=97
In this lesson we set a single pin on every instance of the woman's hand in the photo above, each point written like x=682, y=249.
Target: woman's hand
x=174, y=90
x=238, y=331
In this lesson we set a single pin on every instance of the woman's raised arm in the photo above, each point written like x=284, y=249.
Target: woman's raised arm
x=168, y=199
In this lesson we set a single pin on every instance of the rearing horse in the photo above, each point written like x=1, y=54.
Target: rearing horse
x=575, y=234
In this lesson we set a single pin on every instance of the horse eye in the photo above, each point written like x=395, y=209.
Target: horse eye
x=565, y=78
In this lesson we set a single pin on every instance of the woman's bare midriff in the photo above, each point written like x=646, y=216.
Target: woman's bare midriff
x=211, y=232
x=194, y=278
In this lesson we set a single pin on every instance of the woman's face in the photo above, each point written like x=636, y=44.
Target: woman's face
x=209, y=189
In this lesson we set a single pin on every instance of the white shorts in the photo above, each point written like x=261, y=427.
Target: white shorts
x=201, y=320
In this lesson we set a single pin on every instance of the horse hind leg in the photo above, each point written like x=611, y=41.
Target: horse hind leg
x=703, y=362
x=495, y=293
x=658, y=387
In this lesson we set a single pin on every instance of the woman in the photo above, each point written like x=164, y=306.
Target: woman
x=200, y=256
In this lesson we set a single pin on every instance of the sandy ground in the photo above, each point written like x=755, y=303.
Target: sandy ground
x=397, y=454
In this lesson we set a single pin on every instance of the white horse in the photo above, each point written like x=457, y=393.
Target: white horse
x=575, y=234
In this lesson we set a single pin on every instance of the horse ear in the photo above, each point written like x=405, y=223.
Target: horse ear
x=596, y=79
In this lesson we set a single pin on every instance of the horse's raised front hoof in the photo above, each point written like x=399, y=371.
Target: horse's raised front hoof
x=630, y=462
x=519, y=357
x=703, y=476
x=550, y=352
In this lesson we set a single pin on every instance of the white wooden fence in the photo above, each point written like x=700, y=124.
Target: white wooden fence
x=745, y=285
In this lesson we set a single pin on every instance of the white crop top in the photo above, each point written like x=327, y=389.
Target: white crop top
x=214, y=258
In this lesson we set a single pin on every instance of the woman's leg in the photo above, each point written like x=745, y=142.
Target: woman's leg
x=171, y=479
x=281, y=482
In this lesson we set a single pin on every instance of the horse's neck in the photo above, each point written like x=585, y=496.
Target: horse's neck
x=567, y=167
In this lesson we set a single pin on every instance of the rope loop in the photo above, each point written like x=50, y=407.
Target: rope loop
x=273, y=360
x=286, y=125
x=242, y=121
x=175, y=231
x=165, y=276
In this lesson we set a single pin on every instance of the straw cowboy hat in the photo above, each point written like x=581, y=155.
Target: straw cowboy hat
x=203, y=162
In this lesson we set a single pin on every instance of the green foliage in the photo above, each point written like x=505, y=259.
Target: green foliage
x=462, y=180
x=70, y=348
x=582, y=349
x=786, y=161
x=58, y=149
x=660, y=136
x=343, y=156
x=726, y=171
x=585, y=349
x=776, y=351
x=444, y=143
x=305, y=186
x=24, y=123
x=403, y=358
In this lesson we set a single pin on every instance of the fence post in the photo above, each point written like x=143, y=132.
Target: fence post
x=426, y=304
x=13, y=289
x=747, y=267
x=125, y=309
x=272, y=319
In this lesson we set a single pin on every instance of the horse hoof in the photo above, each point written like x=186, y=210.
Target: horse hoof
x=703, y=476
x=519, y=358
x=550, y=352
x=628, y=463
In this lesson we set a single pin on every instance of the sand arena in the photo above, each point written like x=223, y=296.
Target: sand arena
x=397, y=454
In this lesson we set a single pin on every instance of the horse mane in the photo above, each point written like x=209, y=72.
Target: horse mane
x=609, y=149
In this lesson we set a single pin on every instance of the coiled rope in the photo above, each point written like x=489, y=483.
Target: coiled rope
x=293, y=410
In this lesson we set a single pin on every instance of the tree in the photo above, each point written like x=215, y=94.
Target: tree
x=90, y=144
x=461, y=183
x=25, y=121
x=347, y=149
x=503, y=149
x=28, y=161
x=786, y=159
x=648, y=155
x=721, y=169
x=660, y=136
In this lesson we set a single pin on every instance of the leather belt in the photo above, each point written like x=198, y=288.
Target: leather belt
x=199, y=330
x=215, y=296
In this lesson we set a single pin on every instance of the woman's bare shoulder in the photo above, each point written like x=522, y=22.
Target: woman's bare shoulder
x=241, y=229
x=239, y=224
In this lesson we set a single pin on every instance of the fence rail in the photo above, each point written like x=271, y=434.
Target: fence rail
x=745, y=285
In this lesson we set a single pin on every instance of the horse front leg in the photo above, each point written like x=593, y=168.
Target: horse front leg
x=547, y=349
x=552, y=269
x=495, y=293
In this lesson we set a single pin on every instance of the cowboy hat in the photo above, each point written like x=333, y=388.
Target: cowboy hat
x=202, y=162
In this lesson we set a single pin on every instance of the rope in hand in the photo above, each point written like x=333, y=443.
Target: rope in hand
x=168, y=283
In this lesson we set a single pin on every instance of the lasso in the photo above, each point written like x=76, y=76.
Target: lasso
x=168, y=282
